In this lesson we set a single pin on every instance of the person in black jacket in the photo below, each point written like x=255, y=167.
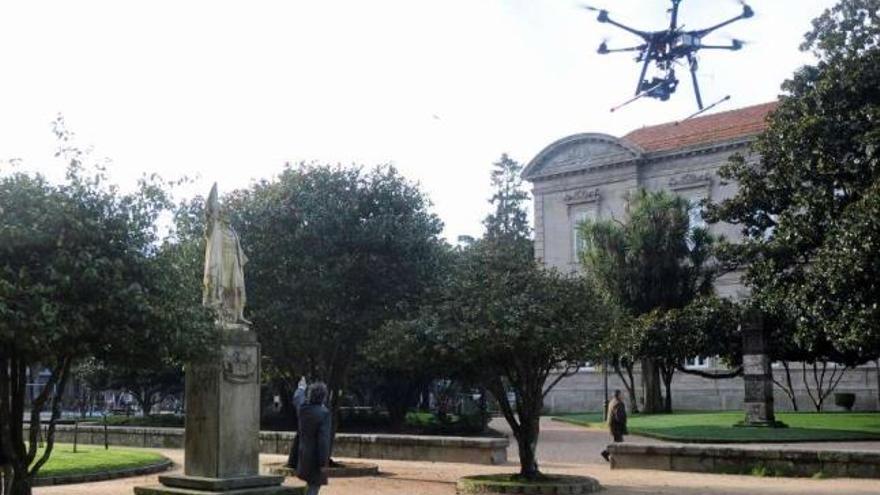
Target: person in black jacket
x=313, y=433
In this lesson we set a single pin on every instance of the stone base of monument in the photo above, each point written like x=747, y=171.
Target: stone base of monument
x=178, y=484
x=340, y=470
x=760, y=424
x=551, y=484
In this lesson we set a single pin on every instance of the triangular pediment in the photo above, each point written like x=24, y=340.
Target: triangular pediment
x=580, y=152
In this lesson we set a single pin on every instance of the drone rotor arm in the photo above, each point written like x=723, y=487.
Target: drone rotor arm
x=704, y=32
x=733, y=47
x=605, y=50
x=673, y=23
x=642, y=34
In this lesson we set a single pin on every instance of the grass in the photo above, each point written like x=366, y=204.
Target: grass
x=93, y=459
x=718, y=427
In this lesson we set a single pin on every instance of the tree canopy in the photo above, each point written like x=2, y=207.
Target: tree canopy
x=334, y=253
x=81, y=277
x=808, y=196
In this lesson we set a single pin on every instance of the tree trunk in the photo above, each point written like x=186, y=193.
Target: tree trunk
x=629, y=382
x=667, y=372
x=524, y=422
x=21, y=485
x=651, y=387
x=527, y=442
x=787, y=387
x=145, y=400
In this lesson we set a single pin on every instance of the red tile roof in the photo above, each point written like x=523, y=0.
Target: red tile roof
x=706, y=129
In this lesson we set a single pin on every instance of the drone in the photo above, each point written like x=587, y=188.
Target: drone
x=666, y=49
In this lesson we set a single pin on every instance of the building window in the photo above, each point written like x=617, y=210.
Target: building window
x=695, y=214
x=694, y=197
x=579, y=242
x=696, y=362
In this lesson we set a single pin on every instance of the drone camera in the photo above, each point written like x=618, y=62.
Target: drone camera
x=687, y=41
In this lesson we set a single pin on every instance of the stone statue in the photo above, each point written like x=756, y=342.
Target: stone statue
x=224, y=262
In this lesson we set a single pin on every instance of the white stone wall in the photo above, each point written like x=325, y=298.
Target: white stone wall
x=584, y=391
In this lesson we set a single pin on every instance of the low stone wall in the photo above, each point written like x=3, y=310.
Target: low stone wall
x=473, y=450
x=401, y=447
x=103, y=475
x=742, y=460
x=584, y=391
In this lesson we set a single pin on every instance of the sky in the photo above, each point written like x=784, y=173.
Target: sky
x=230, y=91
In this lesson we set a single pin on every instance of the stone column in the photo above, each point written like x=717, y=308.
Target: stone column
x=222, y=439
x=757, y=373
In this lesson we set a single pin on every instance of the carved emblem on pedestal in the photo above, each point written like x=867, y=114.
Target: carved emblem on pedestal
x=239, y=366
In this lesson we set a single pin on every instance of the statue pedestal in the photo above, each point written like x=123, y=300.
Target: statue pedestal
x=222, y=443
x=757, y=375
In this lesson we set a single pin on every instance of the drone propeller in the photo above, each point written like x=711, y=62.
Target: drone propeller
x=590, y=8
x=747, y=10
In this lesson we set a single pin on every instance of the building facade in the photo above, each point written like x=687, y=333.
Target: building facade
x=591, y=175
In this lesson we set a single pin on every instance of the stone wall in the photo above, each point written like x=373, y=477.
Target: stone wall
x=473, y=450
x=744, y=460
x=584, y=391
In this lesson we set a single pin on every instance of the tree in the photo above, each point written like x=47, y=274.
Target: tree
x=808, y=199
x=511, y=323
x=505, y=322
x=653, y=263
x=334, y=253
x=79, y=278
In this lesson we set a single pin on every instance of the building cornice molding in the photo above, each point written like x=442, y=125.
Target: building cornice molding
x=659, y=156
x=629, y=152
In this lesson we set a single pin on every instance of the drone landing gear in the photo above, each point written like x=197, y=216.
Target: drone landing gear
x=703, y=110
x=659, y=88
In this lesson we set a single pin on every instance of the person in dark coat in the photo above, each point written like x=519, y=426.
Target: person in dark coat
x=313, y=432
x=616, y=419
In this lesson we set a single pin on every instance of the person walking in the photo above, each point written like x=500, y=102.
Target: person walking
x=313, y=433
x=616, y=419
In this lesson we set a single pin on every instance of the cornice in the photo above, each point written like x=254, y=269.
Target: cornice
x=646, y=158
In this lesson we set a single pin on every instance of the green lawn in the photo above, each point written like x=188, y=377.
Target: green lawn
x=92, y=458
x=718, y=427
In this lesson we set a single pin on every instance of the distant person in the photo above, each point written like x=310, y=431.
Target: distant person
x=313, y=435
x=616, y=419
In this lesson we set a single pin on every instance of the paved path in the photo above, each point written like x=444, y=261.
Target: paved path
x=565, y=442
